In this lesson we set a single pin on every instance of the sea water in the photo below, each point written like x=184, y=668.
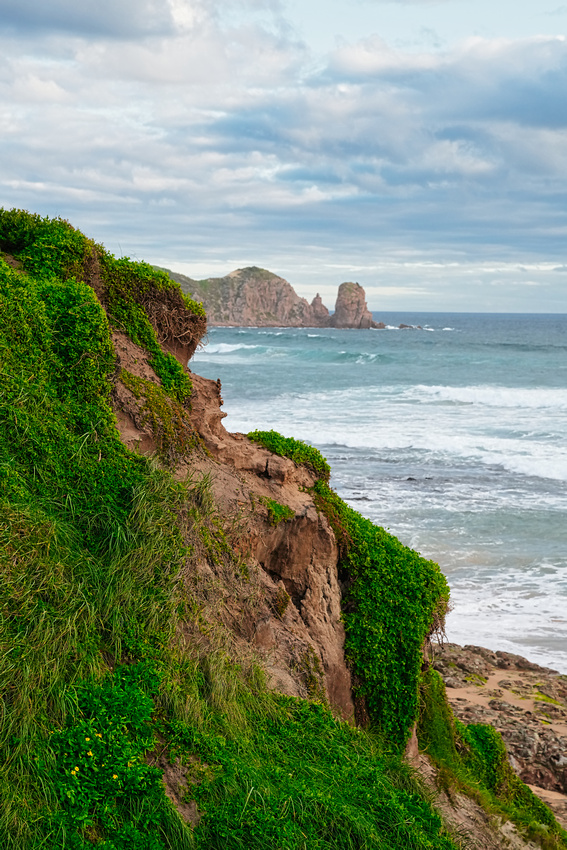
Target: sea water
x=453, y=437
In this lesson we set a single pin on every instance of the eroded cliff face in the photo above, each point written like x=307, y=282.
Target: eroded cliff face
x=289, y=608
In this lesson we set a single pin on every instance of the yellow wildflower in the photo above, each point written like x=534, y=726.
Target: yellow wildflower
x=115, y=776
x=89, y=753
x=87, y=739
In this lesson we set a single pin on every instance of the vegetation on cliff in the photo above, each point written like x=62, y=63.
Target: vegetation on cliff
x=113, y=673
x=97, y=684
x=394, y=601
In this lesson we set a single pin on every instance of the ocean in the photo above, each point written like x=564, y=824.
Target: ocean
x=453, y=437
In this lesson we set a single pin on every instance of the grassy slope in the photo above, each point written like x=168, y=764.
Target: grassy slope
x=92, y=542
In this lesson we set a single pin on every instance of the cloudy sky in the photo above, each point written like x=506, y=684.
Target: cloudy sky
x=418, y=147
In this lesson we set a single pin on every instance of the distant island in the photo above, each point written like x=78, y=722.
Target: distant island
x=255, y=297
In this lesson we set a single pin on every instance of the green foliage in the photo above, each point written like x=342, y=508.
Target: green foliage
x=473, y=759
x=55, y=415
x=99, y=773
x=129, y=288
x=436, y=726
x=299, y=452
x=52, y=250
x=91, y=543
x=168, y=420
x=297, y=778
x=278, y=513
x=394, y=601
x=47, y=248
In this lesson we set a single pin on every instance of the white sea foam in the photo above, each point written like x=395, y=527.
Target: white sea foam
x=226, y=348
x=528, y=397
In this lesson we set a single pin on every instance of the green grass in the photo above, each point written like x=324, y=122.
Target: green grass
x=296, y=450
x=277, y=512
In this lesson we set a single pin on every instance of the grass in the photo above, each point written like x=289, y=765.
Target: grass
x=277, y=512
x=296, y=450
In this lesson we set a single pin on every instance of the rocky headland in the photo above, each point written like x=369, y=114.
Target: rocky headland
x=255, y=297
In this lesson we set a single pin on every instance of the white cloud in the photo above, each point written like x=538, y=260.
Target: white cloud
x=222, y=138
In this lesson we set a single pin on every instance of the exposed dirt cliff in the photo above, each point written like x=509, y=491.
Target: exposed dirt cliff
x=293, y=614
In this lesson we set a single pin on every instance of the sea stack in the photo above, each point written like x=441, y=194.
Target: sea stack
x=321, y=316
x=351, y=310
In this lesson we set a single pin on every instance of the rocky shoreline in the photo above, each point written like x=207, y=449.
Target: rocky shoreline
x=526, y=703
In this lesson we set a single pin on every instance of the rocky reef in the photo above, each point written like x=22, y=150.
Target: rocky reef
x=254, y=297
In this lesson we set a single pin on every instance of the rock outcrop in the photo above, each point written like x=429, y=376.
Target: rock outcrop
x=321, y=315
x=526, y=703
x=289, y=607
x=351, y=310
x=254, y=297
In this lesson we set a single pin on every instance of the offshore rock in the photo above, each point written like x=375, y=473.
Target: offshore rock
x=351, y=310
x=321, y=315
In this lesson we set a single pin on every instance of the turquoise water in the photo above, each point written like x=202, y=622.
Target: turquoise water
x=454, y=437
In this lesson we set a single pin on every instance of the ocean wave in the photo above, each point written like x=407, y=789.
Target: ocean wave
x=533, y=398
x=227, y=348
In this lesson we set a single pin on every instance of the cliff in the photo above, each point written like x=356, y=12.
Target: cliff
x=254, y=297
x=202, y=645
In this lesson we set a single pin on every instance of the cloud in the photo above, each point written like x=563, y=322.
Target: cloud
x=221, y=139
x=109, y=18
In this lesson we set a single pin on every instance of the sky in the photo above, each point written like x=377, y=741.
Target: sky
x=418, y=147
